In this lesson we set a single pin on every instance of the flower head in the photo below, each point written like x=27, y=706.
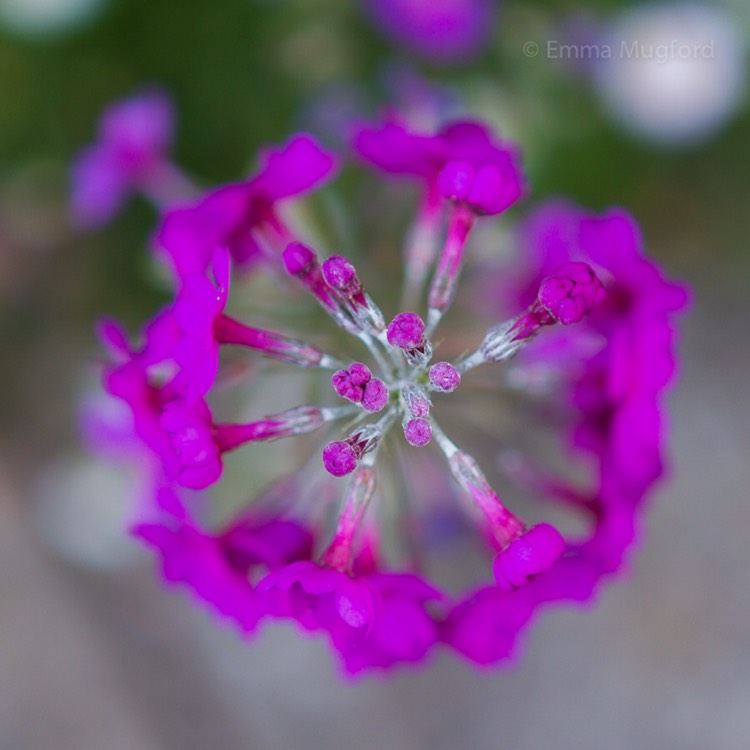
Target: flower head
x=583, y=336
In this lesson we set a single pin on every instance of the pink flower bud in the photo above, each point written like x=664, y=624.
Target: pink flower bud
x=535, y=551
x=406, y=331
x=570, y=292
x=375, y=395
x=298, y=258
x=418, y=432
x=339, y=273
x=340, y=458
x=444, y=376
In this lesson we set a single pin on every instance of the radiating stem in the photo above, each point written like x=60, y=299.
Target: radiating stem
x=295, y=421
x=359, y=492
x=230, y=331
x=421, y=248
x=444, y=282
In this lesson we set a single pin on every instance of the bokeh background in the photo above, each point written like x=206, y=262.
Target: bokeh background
x=93, y=652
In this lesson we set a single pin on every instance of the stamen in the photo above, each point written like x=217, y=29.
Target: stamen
x=342, y=277
x=421, y=247
x=443, y=287
x=295, y=421
x=359, y=492
x=406, y=332
x=356, y=384
x=566, y=296
x=418, y=432
x=444, y=377
x=342, y=456
x=276, y=345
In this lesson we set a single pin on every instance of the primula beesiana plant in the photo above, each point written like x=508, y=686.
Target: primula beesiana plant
x=399, y=517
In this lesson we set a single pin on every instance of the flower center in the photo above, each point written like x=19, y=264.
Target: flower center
x=404, y=387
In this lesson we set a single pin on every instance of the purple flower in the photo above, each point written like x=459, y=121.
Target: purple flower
x=581, y=332
x=447, y=31
x=462, y=163
x=218, y=567
x=319, y=597
x=243, y=217
x=131, y=155
x=403, y=630
x=462, y=157
x=620, y=390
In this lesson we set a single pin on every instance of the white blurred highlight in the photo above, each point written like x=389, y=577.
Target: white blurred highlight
x=47, y=16
x=676, y=74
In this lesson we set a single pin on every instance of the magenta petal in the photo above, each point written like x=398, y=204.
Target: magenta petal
x=456, y=179
x=355, y=604
x=299, y=165
x=195, y=559
x=228, y=216
x=485, y=626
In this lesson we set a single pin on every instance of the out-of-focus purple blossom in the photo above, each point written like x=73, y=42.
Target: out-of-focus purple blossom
x=131, y=155
x=445, y=31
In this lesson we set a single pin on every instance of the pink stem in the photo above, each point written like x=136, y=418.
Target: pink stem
x=359, y=493
x=421, y=248
x=444, y=283
x=230, y=331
